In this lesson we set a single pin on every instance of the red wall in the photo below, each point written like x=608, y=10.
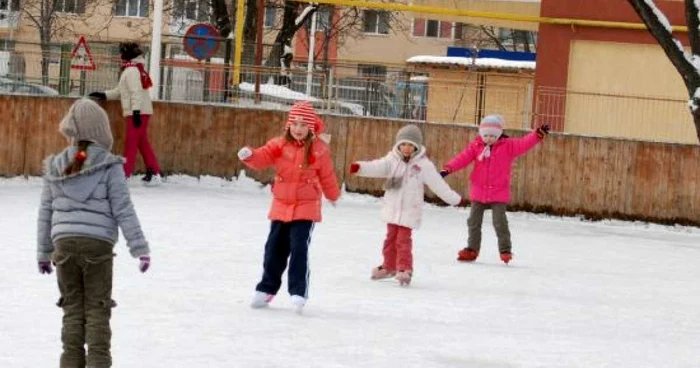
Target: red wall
x=554, y=41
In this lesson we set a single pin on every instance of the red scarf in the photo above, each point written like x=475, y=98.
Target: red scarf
x=146, y=81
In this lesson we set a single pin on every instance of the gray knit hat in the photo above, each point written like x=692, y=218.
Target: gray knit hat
x=410, y=134
x=87, y=121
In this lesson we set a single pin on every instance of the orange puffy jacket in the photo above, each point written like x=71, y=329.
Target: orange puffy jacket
x=297, y=189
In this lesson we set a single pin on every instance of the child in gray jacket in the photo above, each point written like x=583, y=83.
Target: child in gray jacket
x=84, y=198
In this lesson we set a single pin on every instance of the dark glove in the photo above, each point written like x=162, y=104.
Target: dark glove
x=354, y=167
x=543, y=130
x=444, y=172
x=101, y=96
x=463, y=203
x=136, y=118
x=45, y=267
x=144, y=263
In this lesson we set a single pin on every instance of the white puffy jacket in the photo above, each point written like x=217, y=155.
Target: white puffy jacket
x=130, y=91
x=404, y=206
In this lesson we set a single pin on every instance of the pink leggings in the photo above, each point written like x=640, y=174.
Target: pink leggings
x=137, y=140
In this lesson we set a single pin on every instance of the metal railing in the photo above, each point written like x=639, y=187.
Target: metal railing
x=350, y=88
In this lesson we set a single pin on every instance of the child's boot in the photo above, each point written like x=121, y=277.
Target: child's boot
x=506, y=257
x=404, y=277
x=261, y=300
x=380, y=272
x=467, y=255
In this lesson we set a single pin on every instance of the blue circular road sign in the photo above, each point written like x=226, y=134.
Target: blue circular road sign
x=201, y=41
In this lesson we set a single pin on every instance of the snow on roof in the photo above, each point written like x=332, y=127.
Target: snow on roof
x=464, y=61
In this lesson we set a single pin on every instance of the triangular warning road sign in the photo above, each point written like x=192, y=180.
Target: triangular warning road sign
x=81, y=58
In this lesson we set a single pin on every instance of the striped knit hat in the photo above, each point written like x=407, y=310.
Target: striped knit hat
x=303, y=111
x=491, y=125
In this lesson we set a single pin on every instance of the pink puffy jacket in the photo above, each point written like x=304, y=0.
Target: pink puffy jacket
x=297, y=190
x=490, y=179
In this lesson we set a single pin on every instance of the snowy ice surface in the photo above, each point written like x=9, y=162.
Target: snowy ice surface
x=465, y=61
x=578, y=294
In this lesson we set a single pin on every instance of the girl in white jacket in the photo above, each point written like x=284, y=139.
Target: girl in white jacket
x=407, y=170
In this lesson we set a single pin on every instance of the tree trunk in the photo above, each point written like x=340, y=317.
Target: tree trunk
x=250, y=31
x=222, y=19
x=696, y=115
x=285, y=35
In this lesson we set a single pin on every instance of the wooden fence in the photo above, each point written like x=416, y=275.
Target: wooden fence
x=566, y=175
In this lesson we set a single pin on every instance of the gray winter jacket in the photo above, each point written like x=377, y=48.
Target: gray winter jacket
x=90, y=203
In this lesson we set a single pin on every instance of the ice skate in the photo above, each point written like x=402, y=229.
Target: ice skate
x=467, y=255
x=404, y=277
x=151, y=179
x=261, y=300
x=298, y=302
x=380, y=272
x=506, y=257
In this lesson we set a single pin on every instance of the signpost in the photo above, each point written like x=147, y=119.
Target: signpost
x=201, y=41
x=81, y=59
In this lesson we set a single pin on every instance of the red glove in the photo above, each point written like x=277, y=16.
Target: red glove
x=354, y=167
x=464, y=202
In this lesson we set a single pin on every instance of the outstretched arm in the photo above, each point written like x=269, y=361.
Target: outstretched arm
x=520, y=146
x=262, y=157
x=380, y=168
x=439, y=186
x=462, y=159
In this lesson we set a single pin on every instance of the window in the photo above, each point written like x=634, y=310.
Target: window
x=70, y=6
x=270, y=17
x=131, y=8
x=197, y=10
x=376, y=21
x=371, y=70
x=323, y=20
x=436, y=29
x=9, y=5
x=7, y=45
x=432, y=29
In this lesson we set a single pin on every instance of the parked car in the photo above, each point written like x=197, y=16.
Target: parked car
x=11, y=86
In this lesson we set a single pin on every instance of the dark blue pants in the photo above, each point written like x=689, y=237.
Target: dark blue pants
x=287, y=240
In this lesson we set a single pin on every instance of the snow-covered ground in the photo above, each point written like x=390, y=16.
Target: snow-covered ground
x=577, y=294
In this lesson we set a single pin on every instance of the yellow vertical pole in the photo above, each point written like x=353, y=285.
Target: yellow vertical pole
x=240, y=19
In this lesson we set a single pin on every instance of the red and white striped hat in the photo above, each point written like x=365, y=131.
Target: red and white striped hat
x=303, y=111
x=491, y=125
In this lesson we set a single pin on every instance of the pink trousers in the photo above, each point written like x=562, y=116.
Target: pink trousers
x=397, y=250
x=137, y=141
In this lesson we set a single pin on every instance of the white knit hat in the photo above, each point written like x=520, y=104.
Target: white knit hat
x=87, y=121
x=491, y=125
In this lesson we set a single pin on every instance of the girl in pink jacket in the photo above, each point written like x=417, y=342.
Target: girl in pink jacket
x=493, y=154
x=303, y=171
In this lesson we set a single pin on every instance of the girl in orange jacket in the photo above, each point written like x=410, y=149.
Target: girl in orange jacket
x=304, y=171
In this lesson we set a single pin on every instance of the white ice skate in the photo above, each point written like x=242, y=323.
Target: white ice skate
x=298, y=302
x=261, y=300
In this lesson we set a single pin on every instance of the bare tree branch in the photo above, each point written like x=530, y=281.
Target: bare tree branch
x=673, y=49
x=693, y=19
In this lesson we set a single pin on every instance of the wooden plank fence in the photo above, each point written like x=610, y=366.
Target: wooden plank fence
x=566, y=175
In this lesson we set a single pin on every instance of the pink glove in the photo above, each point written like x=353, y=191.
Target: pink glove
x=45, y=267
x=144, y=263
